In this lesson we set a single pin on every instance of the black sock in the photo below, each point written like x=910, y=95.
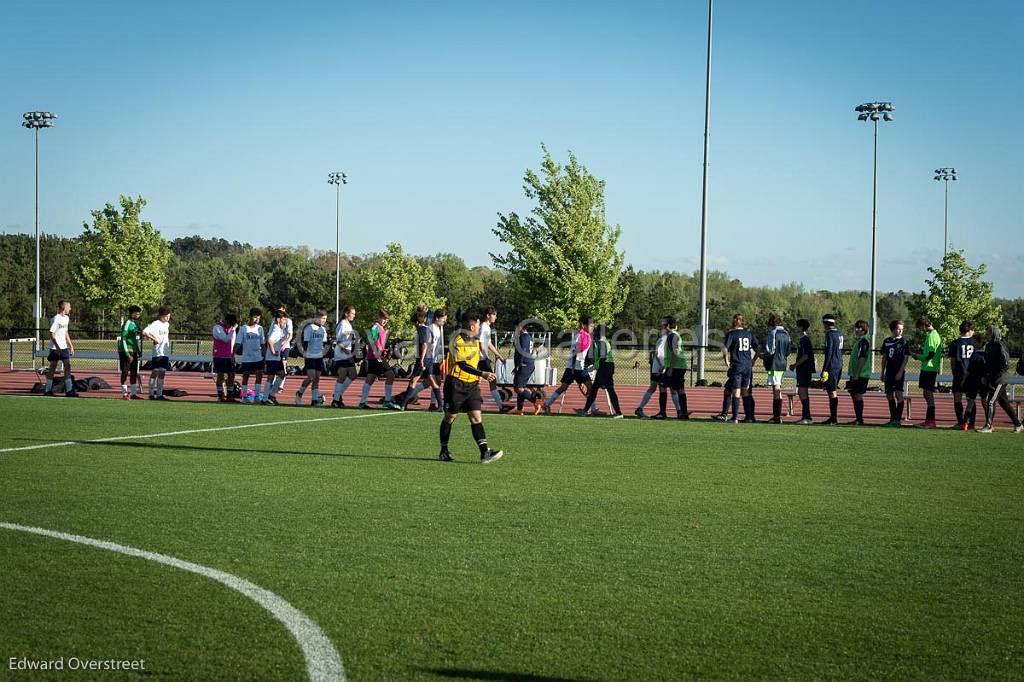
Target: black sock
x=726, y=401
x=805, y=407
x=520, y=399
x=748, y=407
x=480, y=437
x=858, y=409
x=684, y=412
x=777, y=408
x=892, y=409
x=735, y=408
x=446, y=432
x=958, y=407
x=899, y=410
x=662, y=401
x=615, y=399
x=436, y=392
x=589, y=402
x=833, y=409
x=930, y=414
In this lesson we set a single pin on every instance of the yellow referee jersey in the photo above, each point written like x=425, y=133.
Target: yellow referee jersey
x=465, y=349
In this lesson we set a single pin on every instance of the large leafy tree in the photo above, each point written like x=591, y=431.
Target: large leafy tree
x=123, y=259
x=957, y=293
x=563, y=256
x=395, y=282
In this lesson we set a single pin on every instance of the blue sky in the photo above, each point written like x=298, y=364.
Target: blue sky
x=227, y=117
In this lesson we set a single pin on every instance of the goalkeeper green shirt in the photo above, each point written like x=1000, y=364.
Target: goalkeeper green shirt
x=931, y=354
x=130, y=339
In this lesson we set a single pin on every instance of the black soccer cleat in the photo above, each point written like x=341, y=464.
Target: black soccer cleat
x=490, y=456
x=445, y=456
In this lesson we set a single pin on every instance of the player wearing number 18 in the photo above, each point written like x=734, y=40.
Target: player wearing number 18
x=960, y=353
x=462, y=389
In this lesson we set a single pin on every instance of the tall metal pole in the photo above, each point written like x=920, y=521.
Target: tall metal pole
x=702, y=304
x=37, y=304
x=874, y=239
x=945, y=225
x=337, y=256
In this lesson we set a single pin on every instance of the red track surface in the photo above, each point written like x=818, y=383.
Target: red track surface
x=703, y=402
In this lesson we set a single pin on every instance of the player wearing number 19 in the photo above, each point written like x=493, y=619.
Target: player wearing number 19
x=738, y=351
x=462, y=389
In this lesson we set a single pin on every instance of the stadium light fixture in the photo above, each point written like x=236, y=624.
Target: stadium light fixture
x=874, y=111
x=702, y=305
x=945, y=175
x=35, y=120
x=337, y=178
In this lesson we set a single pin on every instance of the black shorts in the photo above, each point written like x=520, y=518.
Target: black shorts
x=377, y=368
x=605, y=376
x=580, y=376
x=484, y=365
x=161, y=362
x=926, y=380
x=738, y=378
x=804, y=379
x=59, y=355
x=128, y=363
x=461, y=396
x=958, y=383
x=972, y=387
x=224, y=365
x=274, y=367
x=857, y=386
x=523, y=374
x=430, y=369
x=284, y=354
x=674, y=381
x=344, y=364
x=313, y=364
x=894, y=385
x=250, y=367
x=834, y=377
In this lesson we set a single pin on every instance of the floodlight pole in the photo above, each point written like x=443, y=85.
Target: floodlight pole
x=337, y=254
x=874, y=242
x=945, y=174
x=37, y=303
x=702, y=305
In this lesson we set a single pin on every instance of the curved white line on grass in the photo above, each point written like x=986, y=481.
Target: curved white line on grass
x=113, y=439
x=322, y=660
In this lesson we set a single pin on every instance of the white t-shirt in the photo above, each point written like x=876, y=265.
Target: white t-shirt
x=314, y=336
x=345, y=339
x=436, y=343
x=159, y=330
x=659, y=355
x=59, y=329
x=252, y=337
x=485, y=340
x=278, y=333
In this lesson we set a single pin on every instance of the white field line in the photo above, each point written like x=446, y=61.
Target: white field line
x=322, y=660
x=165, y=434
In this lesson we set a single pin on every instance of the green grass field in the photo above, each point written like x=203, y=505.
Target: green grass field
x=595, y=550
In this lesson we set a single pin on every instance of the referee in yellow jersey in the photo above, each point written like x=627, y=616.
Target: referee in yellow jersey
x=462, y=389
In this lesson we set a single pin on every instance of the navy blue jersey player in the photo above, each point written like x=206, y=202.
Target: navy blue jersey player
x=960, y=353
x=738, y=350
x=832, y=367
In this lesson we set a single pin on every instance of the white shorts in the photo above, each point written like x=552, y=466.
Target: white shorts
x=775, y=378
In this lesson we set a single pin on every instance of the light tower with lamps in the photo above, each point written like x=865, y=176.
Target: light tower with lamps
x=873, y=111
x=945, y=175
x=34, y=120
x=337, y=179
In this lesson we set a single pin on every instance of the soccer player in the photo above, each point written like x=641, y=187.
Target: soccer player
x=61, y=350
x=314, y=340
x=489, y=352
x=776, y=355
x=576, y=367
x=657, y=364
x=462, y=390
x=253, y=338
x=859, y=370
x=129, y=353
x=673, y=374
x=423, y=371
x=974, y=384
x=804, y=368
x=960, y=352
x=604, y=362
x=997, y=369
x=376, y=361
x=277, y=341
x=286, y=343
x=224, y=333
x=437, y=348
x=344, y=355
x=158, y=332
x=832, y=367
x=895, y=354
x=931, y=359
x=736, y=351
x=525, y=365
